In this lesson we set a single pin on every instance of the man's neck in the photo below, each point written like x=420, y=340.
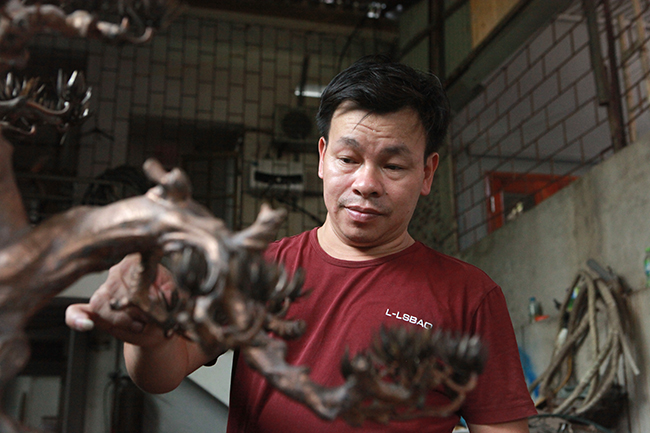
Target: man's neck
x=333, y=245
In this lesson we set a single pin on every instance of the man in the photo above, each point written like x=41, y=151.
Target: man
x=381, y=123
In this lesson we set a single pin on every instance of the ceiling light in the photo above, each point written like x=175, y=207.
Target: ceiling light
x=310, y=91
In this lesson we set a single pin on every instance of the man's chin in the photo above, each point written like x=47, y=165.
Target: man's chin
x=362, y=239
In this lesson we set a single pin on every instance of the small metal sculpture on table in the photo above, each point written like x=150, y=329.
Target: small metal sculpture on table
x=227, y=295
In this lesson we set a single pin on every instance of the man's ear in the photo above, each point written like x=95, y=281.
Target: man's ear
x=430, y=166
x=322, y=147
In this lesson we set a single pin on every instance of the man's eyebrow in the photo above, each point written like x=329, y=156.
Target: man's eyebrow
x=396, y=149
x=349, y=141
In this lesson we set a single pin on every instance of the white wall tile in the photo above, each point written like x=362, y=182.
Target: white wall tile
x=121, y=135
x=156, y=103
x=106, y=116
x=143, y=60
x=191, y=52
x=192, y=27
x=108, y=85
x=236, y=100
x=237, y=70
x=125, y=73
x=123, y=104
x=175, y=63
x=207, y=37
x=219, y=110
x=252, y=87
x=224, y=29
x=206, y=68
x=223, y=54
x=159, y=49
x=204, y=101
x=188, y=107
x=190, y=80
x=176, y=34
x=158, y=75
x=251, y=114
x=173, y=93
x=141, y=90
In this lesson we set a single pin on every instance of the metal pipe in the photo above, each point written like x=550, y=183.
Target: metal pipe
x=643, y=50
x=625, y=46
x=614, y=108
x=595, y=52
x=437, y=38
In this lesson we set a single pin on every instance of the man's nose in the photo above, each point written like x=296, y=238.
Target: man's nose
x=367, y=182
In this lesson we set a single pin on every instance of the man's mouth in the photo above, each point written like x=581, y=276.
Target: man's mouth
x=362, y=213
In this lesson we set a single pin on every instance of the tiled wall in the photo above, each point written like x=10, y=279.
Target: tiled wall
x=225, y=68
x=538, y=113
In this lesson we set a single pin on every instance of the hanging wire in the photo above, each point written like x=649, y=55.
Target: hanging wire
x=351, y=37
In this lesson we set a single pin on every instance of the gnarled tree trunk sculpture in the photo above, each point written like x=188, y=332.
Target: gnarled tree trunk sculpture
x=235, y=303
x=227, y=296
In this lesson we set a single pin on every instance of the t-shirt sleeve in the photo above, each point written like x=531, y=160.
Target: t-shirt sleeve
x=501, y=394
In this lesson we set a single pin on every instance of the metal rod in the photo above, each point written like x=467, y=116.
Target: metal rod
x=434, y=25
x=595, y=52
x=437, y=38
x=624, y=45
x=532, y=159
x=643, y=50
x=614, y=108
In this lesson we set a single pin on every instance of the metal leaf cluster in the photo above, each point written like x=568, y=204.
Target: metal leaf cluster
x=404, y=365
x=117, y=21
x=26, y=103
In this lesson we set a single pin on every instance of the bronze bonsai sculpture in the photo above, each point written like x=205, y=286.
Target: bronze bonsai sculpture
x=226, y=295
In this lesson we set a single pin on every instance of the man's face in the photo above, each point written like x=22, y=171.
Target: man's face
x=373, y=172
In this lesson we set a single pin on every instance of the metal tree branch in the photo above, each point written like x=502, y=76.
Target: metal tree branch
x=13, y=218
x=20, y=21
x=390, y=381
x=234, y=301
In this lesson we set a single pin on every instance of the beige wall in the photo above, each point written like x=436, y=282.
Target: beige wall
x=602, y=216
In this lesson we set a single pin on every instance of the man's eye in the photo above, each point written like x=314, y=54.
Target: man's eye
x=346, y=160
x=393, y=167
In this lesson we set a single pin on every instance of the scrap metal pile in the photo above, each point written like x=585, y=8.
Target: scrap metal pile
x=227, y=295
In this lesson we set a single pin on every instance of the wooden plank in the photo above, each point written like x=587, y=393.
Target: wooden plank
x=486, y=15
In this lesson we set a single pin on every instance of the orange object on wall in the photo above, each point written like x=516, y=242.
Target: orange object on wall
x=526, y=187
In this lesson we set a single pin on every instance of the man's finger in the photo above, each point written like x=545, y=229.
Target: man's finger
x=77, y=317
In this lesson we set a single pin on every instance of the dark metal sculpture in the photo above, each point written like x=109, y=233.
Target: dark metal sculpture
x=132, y=21
x=227, y=296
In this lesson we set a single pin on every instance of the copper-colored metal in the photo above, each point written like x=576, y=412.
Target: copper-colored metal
x=20, y=22
x=227, y=295
x=234, y=303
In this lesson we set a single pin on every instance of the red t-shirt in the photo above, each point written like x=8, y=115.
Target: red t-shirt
x=347, y=304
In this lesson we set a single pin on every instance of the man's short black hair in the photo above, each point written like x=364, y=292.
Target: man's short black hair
x=381, y=85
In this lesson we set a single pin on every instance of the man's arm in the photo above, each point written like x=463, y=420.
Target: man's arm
x=161, y=368
x=519, y=426
x=156, y=364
